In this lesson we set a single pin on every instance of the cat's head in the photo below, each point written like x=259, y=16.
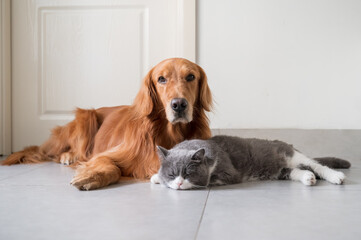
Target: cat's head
x=183, y=169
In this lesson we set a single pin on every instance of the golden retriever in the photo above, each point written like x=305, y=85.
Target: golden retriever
x=107, y=143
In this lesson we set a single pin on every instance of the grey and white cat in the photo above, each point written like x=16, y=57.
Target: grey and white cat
x=225, y=160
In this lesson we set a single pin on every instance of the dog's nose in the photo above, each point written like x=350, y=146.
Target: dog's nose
x=179, y=104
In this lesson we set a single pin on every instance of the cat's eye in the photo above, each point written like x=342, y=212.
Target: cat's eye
x=190, y=77
x=162, y=80
x=171, y=175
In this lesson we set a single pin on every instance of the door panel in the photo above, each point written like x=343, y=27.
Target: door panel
x=86, y=54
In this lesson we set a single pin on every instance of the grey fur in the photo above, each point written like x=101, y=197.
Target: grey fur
x=285, y=174
x=232, y=160
x=333, y=162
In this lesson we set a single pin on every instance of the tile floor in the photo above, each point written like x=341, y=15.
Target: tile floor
x=37, y=202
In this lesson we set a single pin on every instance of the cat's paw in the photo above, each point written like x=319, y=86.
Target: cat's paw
x=336, y=177
x=308, y=178
x=155, y=179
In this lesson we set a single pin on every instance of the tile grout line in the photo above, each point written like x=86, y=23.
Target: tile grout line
x=200, y=220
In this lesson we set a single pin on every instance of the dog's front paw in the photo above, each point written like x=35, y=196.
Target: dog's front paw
x=85, y=181
x=155, y=179
x=95, y=174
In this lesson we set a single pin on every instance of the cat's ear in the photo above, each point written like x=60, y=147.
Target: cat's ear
x=199, y=155
x=162, y=152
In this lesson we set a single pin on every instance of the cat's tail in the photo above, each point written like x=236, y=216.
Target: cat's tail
x=333, y=162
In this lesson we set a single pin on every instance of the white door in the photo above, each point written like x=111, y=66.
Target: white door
x=88, y=54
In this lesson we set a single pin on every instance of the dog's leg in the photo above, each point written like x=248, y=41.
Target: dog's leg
x=104, y=169
x=98, y=172
x=74, y=141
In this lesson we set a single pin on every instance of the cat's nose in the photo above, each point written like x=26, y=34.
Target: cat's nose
x=180, y=183
x=179, y=104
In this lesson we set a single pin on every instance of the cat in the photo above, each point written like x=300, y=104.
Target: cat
x=223, y=160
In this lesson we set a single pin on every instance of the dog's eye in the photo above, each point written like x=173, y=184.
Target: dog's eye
x=190, y=77
x=162, y=80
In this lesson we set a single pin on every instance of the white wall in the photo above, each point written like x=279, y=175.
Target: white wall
x=282, y=63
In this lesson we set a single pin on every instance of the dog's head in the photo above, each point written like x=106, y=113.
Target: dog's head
x=177, y=86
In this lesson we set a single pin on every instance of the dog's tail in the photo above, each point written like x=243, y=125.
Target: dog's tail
x=30, y=154
x=333, y=162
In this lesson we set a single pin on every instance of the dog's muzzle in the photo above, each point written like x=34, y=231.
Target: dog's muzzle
x=180, y=110
x=179, y=105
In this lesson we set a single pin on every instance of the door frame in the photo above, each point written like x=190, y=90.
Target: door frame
x=5, y=77
x=186, y=29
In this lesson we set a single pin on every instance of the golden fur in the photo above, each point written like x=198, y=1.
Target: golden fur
x=107, y=143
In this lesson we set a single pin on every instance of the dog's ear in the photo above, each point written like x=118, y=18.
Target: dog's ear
x=146, y=98
x=205, y=95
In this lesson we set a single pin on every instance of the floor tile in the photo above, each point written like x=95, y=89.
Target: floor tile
x=271, y=214
x=46, y=174
x=11, y=171
x=37, y=202
x=123, y=211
